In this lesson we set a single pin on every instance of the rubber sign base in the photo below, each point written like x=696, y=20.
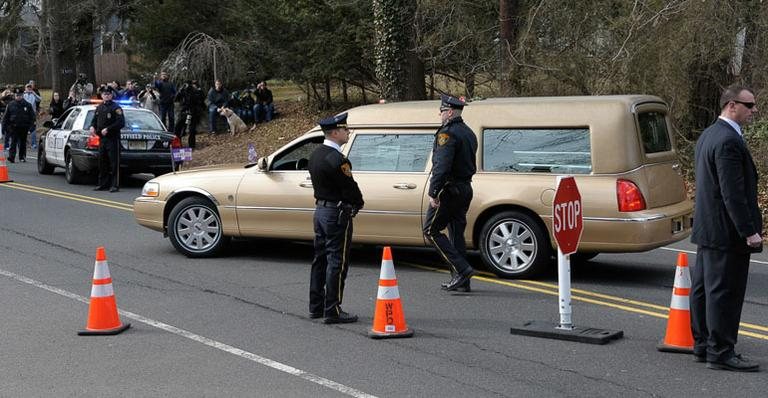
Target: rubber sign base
x=579, y=334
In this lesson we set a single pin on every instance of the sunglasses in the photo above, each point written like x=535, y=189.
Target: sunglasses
x=749, y=105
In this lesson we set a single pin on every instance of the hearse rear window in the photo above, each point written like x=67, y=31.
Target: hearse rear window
x=653, y=129
x=560, y=151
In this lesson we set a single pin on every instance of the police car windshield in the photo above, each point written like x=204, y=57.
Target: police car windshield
x=134, y=120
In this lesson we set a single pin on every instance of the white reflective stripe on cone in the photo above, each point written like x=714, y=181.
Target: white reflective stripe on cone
x=101, y=270
x=102, y=290
x=387, y=270
x=683, y=278
x=388, y=293
x=680, y=303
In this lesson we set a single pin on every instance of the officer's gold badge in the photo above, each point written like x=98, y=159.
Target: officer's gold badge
x=346, y=169
x=442, y=138
x=119, y=111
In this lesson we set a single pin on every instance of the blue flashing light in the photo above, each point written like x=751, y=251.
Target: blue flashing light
x=135, y=127
x=127, y=102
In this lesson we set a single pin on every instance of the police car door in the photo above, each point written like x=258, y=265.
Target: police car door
x=390, y=167
x=57, y=139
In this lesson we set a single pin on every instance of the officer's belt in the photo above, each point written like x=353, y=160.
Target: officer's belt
x=328, y=203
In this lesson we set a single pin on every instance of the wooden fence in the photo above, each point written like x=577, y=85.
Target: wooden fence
x=17, y=71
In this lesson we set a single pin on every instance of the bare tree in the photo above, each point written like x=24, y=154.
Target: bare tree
x=200, y=56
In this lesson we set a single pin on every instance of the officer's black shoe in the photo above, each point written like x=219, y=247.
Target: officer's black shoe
x=114, y=189
x=342, y=318
x=11, y=160
x=100, y=188
x=735, y=363
x=699, y=358
x=445, y=284
x=460, y=281
x=315, y=315
x=23, y=160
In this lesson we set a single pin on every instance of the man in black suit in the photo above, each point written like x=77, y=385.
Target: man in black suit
x=727, y=226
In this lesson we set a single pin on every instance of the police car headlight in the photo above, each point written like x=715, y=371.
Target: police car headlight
x=151, y=189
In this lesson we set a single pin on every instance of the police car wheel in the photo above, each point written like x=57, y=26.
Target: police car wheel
x=194, y=228
x=43, y=167
x=515, y=244
x=72, y=174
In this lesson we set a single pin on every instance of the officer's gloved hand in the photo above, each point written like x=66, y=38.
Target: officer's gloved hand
x=355, y=210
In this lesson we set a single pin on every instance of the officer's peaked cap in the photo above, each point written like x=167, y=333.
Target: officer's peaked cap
x=449, y=102
x=107, y=89
x=18, y=91
x=335, y=122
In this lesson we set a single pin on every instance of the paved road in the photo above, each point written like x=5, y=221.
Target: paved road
x=237, y=326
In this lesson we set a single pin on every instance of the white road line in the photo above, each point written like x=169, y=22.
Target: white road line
x=672, y=249
x=204, y=340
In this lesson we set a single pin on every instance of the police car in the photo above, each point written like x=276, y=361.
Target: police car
x=145, y=146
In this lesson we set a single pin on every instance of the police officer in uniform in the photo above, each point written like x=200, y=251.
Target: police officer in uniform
x=107, y=123
x=338, y=199
x=450, y=191
x=17, y=120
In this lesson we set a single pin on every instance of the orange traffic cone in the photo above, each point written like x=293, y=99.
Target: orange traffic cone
x=388, y=319
x=102, y=313
x=679, y=337
x=3, y=167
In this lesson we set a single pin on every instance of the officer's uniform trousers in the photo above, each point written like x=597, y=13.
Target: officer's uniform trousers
x=109, y=163
x=452, y=213
x=18, y=142
x=333, y=235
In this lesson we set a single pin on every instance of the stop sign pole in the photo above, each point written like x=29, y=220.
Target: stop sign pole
x=567, y=226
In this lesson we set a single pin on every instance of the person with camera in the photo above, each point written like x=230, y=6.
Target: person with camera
x=192, y=102
x=148, y=99
x=337, y=199
x=81, y=88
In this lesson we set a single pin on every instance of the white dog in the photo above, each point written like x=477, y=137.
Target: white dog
x=236, y=125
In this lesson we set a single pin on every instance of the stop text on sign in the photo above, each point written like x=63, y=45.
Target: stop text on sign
x=567, y=215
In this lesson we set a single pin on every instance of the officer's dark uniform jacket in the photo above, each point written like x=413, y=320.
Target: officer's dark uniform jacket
x=108, y=116
x=453, y=156
x=18, y=115
x=331, y=174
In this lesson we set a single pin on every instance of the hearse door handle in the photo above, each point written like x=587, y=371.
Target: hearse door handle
x=306, y=184
x=405, y=185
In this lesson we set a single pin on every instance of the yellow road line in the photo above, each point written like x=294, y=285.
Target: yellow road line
x=66, y=195
x=578, y=295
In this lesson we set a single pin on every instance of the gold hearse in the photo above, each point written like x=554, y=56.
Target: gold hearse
x=619, y=148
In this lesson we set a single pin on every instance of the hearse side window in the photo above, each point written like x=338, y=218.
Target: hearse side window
x=653, y=130
x=297, y=158
x=560, y=151
x=391, y=152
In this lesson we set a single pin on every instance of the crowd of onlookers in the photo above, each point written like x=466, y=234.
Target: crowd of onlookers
x=253, y=104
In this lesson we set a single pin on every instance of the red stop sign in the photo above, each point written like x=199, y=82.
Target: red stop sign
x=567, y=221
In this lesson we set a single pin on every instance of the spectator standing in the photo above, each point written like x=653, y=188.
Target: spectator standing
x=17, y=120
x=56, y=107
x=34, y=99
x=263, y=103
x=167, y=91
x=218, y=97
x=192, y=102
x=82, y=88
x=70, y=101
x=130, y=92
x=5, y=98
x=148, y=98
x=727, y=227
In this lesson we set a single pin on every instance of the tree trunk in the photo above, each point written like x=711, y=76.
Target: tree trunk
x=390, y=46
x=509, y=25
x=62, y=66
x=344, y=91
x=328, y=101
